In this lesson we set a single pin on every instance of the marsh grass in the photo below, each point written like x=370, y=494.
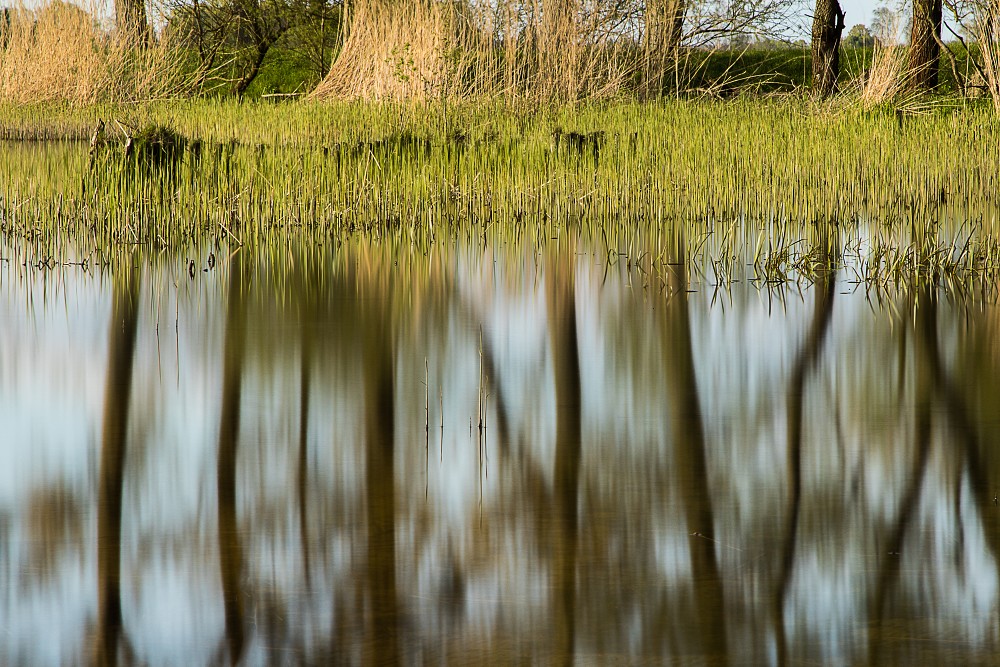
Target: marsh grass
x=750, y=188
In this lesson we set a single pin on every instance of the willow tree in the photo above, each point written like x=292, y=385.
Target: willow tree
x=827, y=28
x=547, y=50
x=393, y=49
x=925, y=44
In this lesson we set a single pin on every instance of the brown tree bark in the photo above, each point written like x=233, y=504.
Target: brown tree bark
x=925, y=50
x=130, y=19
x=828, y=26
x=664, y=26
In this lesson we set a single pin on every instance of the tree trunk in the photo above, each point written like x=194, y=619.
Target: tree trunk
x=925, y=51
x=828, y=26
x=664, y=26
x=130, y=19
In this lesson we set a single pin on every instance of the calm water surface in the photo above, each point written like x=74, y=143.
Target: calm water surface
x=491, y=459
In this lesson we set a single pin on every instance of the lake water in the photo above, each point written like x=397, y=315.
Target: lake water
x=492, y=457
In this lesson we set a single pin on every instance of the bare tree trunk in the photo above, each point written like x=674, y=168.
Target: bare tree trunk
x=664, y=26
x=130, y=19
x=925, y=50
x=117, y=392
x=264, y=31
x=828, y=26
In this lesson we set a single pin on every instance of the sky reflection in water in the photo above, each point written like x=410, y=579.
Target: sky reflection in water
x=298, y=474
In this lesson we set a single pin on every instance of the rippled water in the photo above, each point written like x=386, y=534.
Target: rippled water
x=492, y=459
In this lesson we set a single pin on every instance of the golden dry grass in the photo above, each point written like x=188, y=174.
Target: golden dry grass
x=887, y=78
x=61, y=52
x=418, y=50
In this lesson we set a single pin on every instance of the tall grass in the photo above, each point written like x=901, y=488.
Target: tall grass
x=740, y=183
x=886, y=82
x=60, y=52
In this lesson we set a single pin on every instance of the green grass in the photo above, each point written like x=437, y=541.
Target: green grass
x=757, y=182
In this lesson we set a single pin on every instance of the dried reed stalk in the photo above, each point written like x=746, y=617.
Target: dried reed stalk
x=419, y=50
x=60, y=52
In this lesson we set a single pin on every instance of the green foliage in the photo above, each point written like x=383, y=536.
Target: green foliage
x=283, y=72
x=155, y=147
x=859, y=37
x=767, y=70
x=233, y=43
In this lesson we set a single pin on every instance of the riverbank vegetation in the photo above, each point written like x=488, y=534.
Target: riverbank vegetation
x=563, y=53
x=909, y=194
x=158, y=134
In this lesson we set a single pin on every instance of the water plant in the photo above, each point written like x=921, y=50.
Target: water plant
x=742, y=182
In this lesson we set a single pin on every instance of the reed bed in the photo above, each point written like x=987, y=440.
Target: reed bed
x=61, y=52
x=744, y=190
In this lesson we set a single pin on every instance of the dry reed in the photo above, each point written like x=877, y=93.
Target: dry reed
x=61, y=53
x=419, y=50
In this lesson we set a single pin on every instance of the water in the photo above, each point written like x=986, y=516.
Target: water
x=335, y=457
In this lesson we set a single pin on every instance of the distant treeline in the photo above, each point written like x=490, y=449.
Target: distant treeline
x=557, y=51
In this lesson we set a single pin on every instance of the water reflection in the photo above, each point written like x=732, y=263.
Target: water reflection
x=230, y=541
x=114, y=447
x=481, y=457
x=691, y=471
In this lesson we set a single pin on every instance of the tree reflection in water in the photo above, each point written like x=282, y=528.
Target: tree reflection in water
x=561, y=301
x=668, y=480
x=114, y=445
x=692, y=469
x=230, y=542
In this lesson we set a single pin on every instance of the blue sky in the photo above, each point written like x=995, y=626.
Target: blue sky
x=857, y=11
